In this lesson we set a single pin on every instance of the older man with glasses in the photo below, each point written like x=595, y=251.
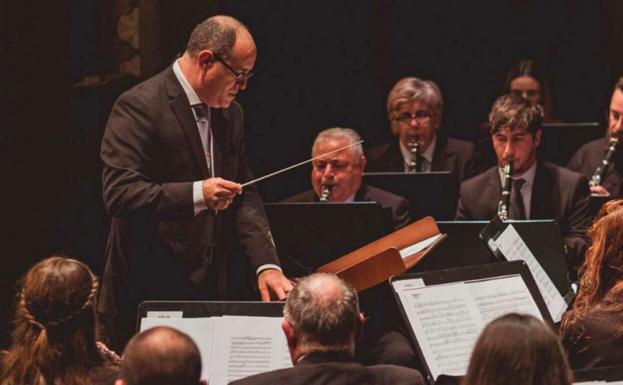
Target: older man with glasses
x=415, y=109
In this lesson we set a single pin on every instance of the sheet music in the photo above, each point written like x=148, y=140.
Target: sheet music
x=496, y=297
x=247, y=346
x=447, y=319
x=514, y=248
x=199, y=329
x=419, y=246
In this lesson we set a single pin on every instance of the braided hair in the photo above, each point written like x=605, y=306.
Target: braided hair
x=54, y=336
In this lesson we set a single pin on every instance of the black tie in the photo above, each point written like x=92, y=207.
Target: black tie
x=517, y=209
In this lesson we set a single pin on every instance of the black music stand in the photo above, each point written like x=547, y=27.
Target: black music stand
x=197, y=309
x=465, y=274
x=429, y=193
x=309, y=235
x=560, y=141
x=464, y=247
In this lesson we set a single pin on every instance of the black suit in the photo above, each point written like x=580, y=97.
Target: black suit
x=398, y=205
x=449, y=155
x=157, y=247
x=335, y=369
x=589, y=157
x=557, y=193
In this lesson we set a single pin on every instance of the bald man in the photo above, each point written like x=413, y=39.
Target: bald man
x=161, y=356
x=321, y=324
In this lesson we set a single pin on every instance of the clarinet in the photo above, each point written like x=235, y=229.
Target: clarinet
x=414, y=148
x=325, y=193
x=603, y=167
x=505, y=199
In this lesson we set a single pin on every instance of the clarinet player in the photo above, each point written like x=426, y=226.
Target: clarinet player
x=540, y=190
x=601, y=160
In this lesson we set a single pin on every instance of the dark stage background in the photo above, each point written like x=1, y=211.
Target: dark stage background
x=321, y=64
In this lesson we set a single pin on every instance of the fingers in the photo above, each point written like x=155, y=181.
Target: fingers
x=232, y=187
x=219, y=193
x=265, y=294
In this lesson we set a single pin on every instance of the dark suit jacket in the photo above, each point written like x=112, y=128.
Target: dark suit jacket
x=589, y=157
x=335, y=369
x=398, y=205
x=557, y=193
x=596, y=338
x=151, y=153
x=449, y=155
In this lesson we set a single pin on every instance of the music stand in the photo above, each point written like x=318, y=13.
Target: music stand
x=560, y=141
x=429, y=193
x=409, y=285
x=309, y=235
x=463, y=247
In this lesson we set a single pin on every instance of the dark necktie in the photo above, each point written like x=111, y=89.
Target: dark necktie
x=517, y=209
x=203, y=122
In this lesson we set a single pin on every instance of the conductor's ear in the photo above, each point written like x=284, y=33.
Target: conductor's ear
x=206, y=58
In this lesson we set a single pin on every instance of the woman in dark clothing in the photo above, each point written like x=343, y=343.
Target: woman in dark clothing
x=593, y=329
x=54, y=340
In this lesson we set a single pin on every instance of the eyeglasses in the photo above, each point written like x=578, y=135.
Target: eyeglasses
x=240, y=75
x=420, y=116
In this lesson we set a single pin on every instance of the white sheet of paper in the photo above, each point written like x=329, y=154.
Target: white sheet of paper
x=447, y=319
x=419, y=246
x=245, y=346
x=514, y=248
x=199, y=329
x=496, y=297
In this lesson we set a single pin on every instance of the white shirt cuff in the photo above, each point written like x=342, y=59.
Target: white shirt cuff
x=266, y=267
x=199, y=203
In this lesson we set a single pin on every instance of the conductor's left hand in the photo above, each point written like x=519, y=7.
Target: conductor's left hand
x=272, y=281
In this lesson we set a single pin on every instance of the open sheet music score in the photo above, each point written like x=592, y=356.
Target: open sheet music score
x=232, y=347
x=512, y=246
x=446, y=319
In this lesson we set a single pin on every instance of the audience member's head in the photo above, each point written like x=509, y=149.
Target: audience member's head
x=161, y=356
x=517, y=349
x=54, y=337
x=322, y=314
x=515, y=125
x=415, y=109
x=602, y=269
x=615, y=115
x=341, y=171
x=525, y=78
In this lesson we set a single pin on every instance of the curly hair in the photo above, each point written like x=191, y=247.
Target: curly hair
x=602, y=269
x=54, y=336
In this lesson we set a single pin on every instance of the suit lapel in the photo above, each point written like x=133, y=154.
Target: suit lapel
x=181, y=109
x=394, y=157
x=441, y=159
x=542, y=191
x=219, y=125
x=493, y=192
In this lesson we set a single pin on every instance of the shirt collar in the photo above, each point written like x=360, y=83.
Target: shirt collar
x=428, y=154
x=528, y=176
x=193, y=99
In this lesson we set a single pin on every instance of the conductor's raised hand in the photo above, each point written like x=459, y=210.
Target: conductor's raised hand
x=219, y=193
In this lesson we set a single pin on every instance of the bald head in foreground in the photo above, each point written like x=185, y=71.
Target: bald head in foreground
x=161, y=356
x=321, y=323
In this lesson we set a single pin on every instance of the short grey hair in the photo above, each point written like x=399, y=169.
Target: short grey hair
x=217, y=34
x=412, y=89
x=323, y=321
x=337, y=133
